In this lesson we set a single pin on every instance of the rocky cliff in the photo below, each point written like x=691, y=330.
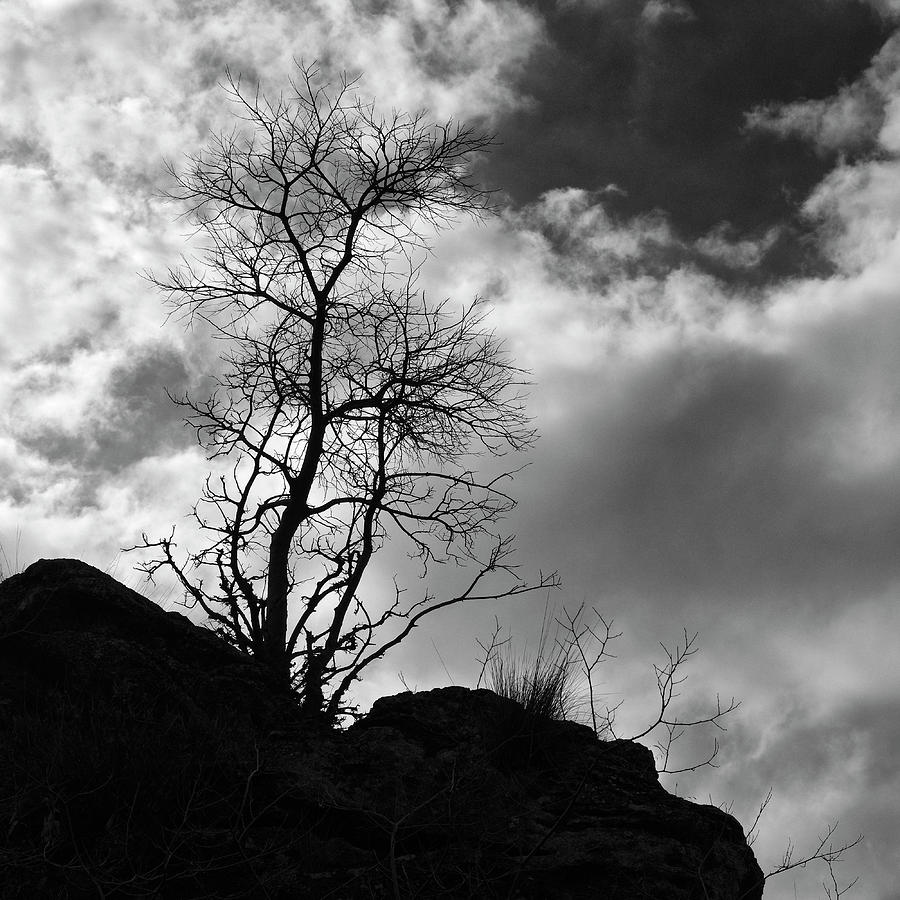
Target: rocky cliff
x=141, y=756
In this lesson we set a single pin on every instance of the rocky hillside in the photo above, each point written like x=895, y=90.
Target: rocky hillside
x=142, y=757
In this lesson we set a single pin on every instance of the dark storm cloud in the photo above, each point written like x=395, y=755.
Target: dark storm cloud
x=652, y=98
x=129, y=418
x=145, y=420
x=862, y=734
x=848, y=752
x=712, y=474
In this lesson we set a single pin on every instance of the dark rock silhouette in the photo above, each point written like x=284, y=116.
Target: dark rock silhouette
x=142, y=756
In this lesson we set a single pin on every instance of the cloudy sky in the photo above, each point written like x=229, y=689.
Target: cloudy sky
x=698, y=258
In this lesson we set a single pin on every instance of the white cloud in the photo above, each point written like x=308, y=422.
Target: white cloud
x=572, y=283
x=658, y=12
x=714, y=430
x=455, y=59
x=740, y=253
x=97, y=94
x=858, y=117
x=858, y=207
x=849, y=121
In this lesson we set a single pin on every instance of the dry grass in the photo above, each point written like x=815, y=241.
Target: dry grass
x=545, y=683
x=9, y=566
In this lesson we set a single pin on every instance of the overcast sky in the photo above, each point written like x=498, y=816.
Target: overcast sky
x=698, y=258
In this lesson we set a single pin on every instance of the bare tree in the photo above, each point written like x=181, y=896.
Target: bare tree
x=825, y=852
x=553, y=683
x=351, y=407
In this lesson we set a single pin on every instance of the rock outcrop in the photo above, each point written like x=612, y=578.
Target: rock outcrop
x=141, y=756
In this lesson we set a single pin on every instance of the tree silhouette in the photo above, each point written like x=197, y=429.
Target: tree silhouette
x=352, y=407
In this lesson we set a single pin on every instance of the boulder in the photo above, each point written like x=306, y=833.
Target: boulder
x=65, y=624
x=141, y=755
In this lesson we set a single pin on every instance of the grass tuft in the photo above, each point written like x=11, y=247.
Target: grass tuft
x=544, y=684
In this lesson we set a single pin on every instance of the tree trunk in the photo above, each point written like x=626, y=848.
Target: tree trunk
x=275, y=652
x=313, y=694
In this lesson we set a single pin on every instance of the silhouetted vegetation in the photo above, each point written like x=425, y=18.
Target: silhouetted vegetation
x=353, y=407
